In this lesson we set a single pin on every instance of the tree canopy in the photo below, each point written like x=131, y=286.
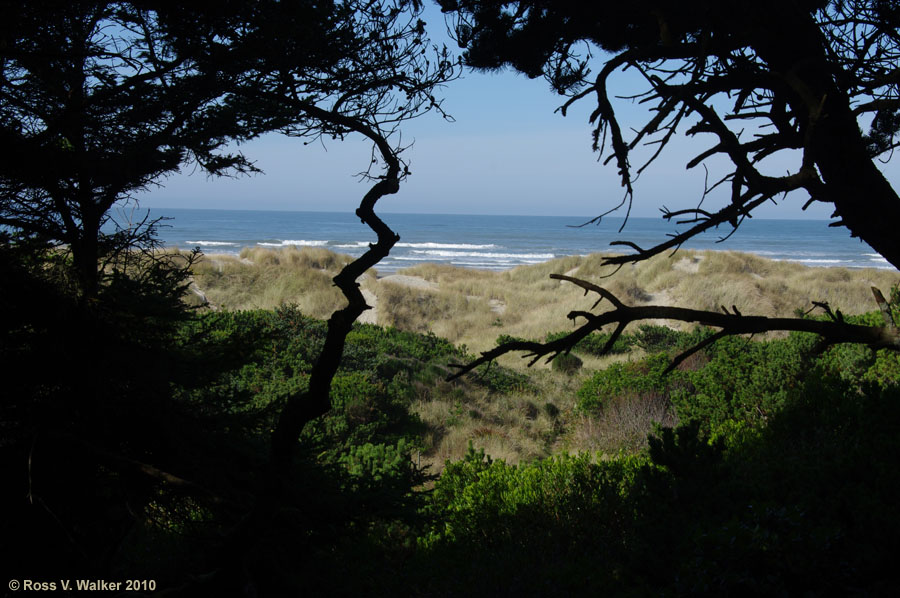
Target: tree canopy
x=102, y=99
x=814, y=82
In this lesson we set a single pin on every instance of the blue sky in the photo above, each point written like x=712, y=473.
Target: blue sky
x=507, y=152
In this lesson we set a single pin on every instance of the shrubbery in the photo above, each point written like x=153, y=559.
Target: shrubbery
x=732, y=499
x=804, y=504
x=635, y=378
x=780, y=480
x=566, y=363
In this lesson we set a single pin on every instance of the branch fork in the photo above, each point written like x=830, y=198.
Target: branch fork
x=729, y=323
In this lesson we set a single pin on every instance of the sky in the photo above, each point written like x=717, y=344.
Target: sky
x=507, y=152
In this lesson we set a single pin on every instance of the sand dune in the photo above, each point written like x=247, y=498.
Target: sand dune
x=475, y=306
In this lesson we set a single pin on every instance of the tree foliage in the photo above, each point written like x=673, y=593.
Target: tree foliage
x=101, y=99
x=798, y=80
x=97, y=105
x=769, y=81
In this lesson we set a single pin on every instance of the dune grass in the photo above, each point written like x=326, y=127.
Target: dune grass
x=263, y=278
x=533, y=423
x=474, y=307
x=533, y=304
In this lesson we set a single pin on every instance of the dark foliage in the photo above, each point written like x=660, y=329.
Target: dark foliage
x=146, y=436
x=102, y=99
x=800, y=505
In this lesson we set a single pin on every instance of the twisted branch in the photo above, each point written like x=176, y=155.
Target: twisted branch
x=302, y=408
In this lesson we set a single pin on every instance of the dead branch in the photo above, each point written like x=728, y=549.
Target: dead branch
x=832, y=331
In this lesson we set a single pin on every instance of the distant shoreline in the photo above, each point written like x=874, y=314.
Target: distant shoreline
x=499, y=243
x=886, y=267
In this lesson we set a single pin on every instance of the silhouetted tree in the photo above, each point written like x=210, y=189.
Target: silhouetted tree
x=99, y=100
x=794, y=78
x=96, y=105
x=797, y=78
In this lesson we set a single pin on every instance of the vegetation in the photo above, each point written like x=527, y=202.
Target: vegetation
x=270, y=452
x=757, y=463
x=798, y=81
x=767, y=429
x=102, y=99
x=474, y=307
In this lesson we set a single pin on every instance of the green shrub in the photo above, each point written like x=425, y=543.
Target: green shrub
x=635, y=378
x=744, y=380
x=506, y=338
x=501, y=380
x=566, y=363
x=382, y=471
x=656, y=339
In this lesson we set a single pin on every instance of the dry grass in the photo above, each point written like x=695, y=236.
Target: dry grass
x=534, y=304
x=474, y=307
x=515, y=427
x=521, y=427
x=264, y=279
x=624, y=424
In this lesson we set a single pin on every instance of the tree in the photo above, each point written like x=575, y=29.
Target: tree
x=373, y=71
x=797, y=79
x=96, y=105
x=102, y=99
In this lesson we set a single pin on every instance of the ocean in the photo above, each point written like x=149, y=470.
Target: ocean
x=496, y=242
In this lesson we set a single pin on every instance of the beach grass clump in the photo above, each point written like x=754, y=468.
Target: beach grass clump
x=420, y=309
x=623, y=425
x=518, y=425
x=316, y=258
x=262, y=278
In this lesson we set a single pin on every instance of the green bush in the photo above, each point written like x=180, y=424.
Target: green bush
x=634, y=378
x=569, y=495
x=369, y=345
x=501, y=380
x=805, y=503
x=566, y=363
x=744, y=380
x=506, y=338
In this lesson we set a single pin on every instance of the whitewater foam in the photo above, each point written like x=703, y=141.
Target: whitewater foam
x=214, y=243
x=289, y=242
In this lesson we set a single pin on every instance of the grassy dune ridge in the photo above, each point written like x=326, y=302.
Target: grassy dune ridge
x=473, y=307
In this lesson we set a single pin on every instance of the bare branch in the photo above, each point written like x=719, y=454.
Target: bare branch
x=729, y=324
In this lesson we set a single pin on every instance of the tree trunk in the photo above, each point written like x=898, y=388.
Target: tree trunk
x=85, y=258
x=865, y=202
